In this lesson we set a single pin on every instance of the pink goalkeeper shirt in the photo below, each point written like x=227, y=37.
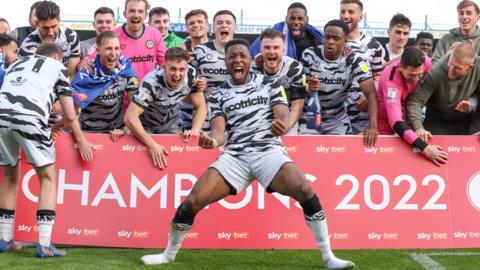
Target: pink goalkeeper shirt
x=393, y=92
x=145, y=52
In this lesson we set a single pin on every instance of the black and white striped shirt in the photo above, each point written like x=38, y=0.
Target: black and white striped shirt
x=248, y=112
x=161, y=104
x=291, y=77
x=67, y=40
x=336, y=76
x=210, y=63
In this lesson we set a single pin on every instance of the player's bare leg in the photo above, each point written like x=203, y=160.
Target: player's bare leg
x=211, y=187
x=291, y=181
x=8, y=198
x=47, y=201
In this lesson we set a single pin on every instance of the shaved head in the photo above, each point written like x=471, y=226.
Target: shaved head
x=465, y=53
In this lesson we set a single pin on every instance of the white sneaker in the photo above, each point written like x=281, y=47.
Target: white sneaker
x=335, y=263
x=155, y=259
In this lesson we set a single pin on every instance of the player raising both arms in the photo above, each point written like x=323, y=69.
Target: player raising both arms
x=253, y=150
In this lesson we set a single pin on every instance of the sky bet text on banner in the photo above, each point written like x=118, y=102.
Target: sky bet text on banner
x=380, y=197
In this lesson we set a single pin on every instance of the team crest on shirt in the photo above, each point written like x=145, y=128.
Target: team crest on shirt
x=363, y=48
x=209, y=56
x=18, y=81
x=285, y=80
x=149, y=44
x=123, y=46
x=226, y=94
x=392, y=94
x=342, y=67
x=317, y=63
x=63, y=45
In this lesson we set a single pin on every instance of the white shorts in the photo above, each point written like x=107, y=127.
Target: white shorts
x=239, y=172
x=37, y=144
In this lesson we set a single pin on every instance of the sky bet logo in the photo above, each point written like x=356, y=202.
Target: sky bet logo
x=247, y=103
x=473, y=190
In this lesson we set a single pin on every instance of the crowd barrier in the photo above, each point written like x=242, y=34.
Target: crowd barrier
x=387, y=196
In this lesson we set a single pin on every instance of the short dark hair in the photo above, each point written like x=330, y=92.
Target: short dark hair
x=412, y=57
x=6, y=40
x=237, y=41
x=271, y=33
x=358, y=2
x=225, y=12
x=196, y=12
x=158, y=11
x=400, y=19
x=297, y=5
x=176, y=53
x=426, y=35
x=338, y=23
x=100, y=39
x=466, y=3
x=32, y=8
x=48, y=48
x=103, y=10
x=47, y=10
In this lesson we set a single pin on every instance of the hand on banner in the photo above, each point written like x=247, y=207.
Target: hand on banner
x=436, y=154
x=370, y=137
x=158, y=155
x=86, y=150
x=116, y=134
x=188, y=135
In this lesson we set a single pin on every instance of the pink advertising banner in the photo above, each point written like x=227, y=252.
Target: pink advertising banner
x=387, y=196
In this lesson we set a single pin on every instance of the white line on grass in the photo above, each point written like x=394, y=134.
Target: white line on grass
x=428, y=263
x=454, y=254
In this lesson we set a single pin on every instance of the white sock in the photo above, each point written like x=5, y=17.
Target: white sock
x=7, y=226
x=175, y=239
x=320, y=232
x=177, y=234
x=45, y=233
